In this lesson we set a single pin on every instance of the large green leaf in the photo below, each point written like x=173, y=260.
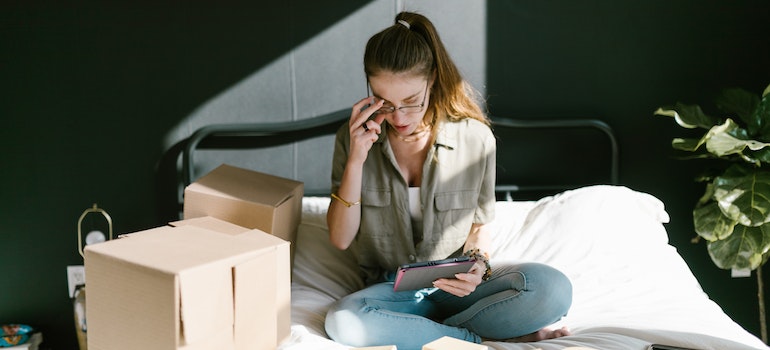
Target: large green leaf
x=741, y=103
x=744, y=249
x=760, y=156
x=763, y=113
x=690, y=145
x=721, y=140
x=711, y=224
x=743, y=194
x=688, y=116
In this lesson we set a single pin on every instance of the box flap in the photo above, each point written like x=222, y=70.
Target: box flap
x=206, y=302
x=283, y=295
x=118, y=290
x=285, y=220
x=219, y=340
x=211, y=223
x=174, y=249
x=254, y=300
x=236, y=183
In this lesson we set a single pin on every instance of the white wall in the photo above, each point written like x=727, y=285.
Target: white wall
x=323, y=75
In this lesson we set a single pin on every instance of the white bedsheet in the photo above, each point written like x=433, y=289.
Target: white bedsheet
x=631, y=288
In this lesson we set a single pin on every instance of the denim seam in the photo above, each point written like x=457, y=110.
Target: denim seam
x=484, y=308
x=400, y=316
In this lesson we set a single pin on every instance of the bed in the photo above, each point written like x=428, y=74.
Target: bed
x=631, y=288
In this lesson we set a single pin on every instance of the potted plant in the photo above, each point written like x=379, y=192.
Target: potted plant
x=733, y=215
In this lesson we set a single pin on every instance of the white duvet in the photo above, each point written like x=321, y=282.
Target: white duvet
x=631, y=288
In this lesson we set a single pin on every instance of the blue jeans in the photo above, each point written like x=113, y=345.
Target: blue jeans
x=518, y=299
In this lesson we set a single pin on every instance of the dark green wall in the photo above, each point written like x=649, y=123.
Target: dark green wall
x=620, y=60
x=87, y=93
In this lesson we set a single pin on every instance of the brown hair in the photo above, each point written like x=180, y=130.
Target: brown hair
x=412, y=45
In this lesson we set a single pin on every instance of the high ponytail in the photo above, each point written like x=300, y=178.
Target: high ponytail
x=412, y=46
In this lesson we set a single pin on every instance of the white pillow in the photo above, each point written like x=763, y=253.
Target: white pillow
x=575, y=225
x=610, y=241
x=317, y=263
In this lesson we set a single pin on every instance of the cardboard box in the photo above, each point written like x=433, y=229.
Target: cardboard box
x=199, y=284
x=247, y=198
x=449, y=343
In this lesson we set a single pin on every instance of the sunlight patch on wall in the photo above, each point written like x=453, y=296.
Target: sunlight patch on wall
x=324, y=75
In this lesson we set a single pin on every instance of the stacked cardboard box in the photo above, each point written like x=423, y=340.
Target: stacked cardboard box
x=247, y=198
x=220, y=279
x=205, y=285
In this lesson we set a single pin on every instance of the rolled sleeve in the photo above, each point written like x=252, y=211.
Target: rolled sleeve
x=486, y=204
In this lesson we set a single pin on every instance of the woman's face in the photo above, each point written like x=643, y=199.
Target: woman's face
x=402, y=90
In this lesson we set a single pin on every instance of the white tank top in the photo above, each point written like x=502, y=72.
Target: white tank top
x=415, y=206
x=415, y=211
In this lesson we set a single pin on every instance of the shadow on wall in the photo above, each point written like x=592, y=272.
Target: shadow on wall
x=92, y=90
x=277, y=46
x=319, y=76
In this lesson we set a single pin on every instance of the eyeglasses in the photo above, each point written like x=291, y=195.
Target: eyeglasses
x=405, y=109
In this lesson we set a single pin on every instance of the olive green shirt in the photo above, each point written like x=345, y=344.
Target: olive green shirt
x=457, y=190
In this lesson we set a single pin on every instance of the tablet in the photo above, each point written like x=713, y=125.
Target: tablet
x=422, y=274
x=666, y=347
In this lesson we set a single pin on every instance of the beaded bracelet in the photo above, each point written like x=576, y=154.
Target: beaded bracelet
x=477, y=255
x=346, y=203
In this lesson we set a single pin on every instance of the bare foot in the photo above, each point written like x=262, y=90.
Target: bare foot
x=542, y=334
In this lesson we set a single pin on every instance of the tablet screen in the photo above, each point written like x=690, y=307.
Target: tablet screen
x=422, y=274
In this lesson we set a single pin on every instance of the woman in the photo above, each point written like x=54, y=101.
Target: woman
x=413, y=180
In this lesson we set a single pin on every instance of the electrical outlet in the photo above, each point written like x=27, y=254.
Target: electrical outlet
x=76, y=275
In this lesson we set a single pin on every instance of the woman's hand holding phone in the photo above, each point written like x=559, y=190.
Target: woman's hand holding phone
x=365, y=127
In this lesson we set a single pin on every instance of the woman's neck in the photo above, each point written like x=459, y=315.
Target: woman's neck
x=417, y=135
x=410, y=152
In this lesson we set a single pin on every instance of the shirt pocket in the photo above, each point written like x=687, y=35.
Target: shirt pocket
x=377, y=215
x=454, y=214
x=378, y=236
x=455, y=200
x=375, y=198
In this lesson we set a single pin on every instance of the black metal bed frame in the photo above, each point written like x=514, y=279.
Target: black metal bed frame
x=269, y=134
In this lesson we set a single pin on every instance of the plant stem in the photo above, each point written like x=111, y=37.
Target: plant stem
x=761, y=297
